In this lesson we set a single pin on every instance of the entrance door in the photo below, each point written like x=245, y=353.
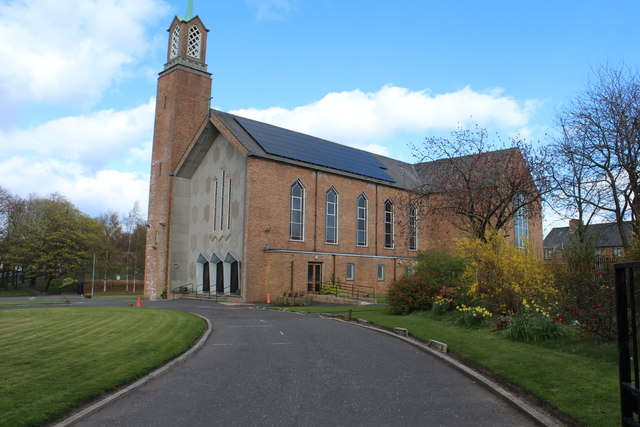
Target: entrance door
x=235, y=277
x=314, y=274
x=220, y=277
x=206, y=283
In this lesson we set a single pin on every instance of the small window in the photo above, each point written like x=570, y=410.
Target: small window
x=548, y=253
x=408, y=270
x=617, y=252
x=351, y=271
x=380, y=272
x=598, y=252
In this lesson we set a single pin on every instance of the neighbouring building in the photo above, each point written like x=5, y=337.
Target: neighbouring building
x=243, y=207
x=605, y=238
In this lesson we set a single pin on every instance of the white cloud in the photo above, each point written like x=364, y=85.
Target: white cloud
x=70, y=51
x=93, y=193
x=95, y=139
x=272, y=10
x=356, y=118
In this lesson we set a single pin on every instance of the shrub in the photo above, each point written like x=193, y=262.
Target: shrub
x=533, y=324
x=443, y=302
x=292, y=299
x=472, y=316
x=502, y=275
x=411, y=293
x=436, y=270
x=599, y=318
x=331, y=288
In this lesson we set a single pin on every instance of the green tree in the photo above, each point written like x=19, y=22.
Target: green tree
x=49, y=237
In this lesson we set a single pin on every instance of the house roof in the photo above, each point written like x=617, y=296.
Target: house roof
x=604, y=235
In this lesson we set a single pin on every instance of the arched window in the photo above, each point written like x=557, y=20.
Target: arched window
x=388, y=224
x=521, y=222
x=413, y=227
x=175, y=42
x=331, y=217
x=297, y=212
x=195, y=39
x=362, y=221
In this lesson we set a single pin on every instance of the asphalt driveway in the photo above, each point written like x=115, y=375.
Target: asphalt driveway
x=267, y=368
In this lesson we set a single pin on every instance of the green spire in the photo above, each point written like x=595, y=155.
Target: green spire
x=189, y=15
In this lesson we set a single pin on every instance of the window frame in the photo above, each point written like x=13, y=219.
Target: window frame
x=350, y=272
x=412, y=244
x=381, y=271
x=327, y=215
x=364, y=210
x=302, y=197
x=389, y=224
x=520, y=223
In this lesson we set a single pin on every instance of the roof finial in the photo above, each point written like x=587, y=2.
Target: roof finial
x=189, y=15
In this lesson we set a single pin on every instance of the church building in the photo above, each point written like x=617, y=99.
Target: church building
x=244, y=208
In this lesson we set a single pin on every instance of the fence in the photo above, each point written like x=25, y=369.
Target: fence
x=627, y=275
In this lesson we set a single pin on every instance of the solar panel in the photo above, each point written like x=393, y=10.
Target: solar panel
x=297, y=146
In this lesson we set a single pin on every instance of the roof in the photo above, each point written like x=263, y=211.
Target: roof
x=284, y=145
x=287, y=146
x=483, y=169
x=605, y=235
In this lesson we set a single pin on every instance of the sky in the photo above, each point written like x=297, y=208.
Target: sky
x=78, y=79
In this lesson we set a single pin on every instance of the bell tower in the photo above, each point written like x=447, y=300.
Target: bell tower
x=182, y=106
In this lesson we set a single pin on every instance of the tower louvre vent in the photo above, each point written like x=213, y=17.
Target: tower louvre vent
x=193, y=48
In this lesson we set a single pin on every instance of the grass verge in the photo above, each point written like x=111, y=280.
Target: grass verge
x=583, y=386
x=15, y=293
x=56, y=359
x=577, y=378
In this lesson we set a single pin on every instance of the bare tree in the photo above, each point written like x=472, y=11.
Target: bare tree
x=131, y=222
x=111, y=231
x=477, y=186
x=604, y=124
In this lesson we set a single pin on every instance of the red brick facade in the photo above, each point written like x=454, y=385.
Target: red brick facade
x=220, y=206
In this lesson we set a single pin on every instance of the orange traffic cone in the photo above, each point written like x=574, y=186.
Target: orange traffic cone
x=138, y=304
x=268, y=298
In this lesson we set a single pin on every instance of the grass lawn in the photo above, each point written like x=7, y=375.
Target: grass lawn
x=578, y=378
x=28, y=303
x=54, y=359
x=15, y=293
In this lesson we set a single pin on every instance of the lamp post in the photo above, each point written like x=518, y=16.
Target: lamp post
x=93, y=275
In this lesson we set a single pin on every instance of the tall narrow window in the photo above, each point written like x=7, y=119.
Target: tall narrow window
x=215, y=204
x=297, y=212
x=520, y=222
x=380, y=272
x=175, y=42
x=331, y=217
x=222, y=203
x=229, y=204
x=193, y=47
x=362, y=219
x=413, y=227
x=388, y=224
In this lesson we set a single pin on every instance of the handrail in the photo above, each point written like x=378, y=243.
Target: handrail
x=344, y=289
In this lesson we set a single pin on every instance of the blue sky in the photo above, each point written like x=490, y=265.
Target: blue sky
x=78, y=79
